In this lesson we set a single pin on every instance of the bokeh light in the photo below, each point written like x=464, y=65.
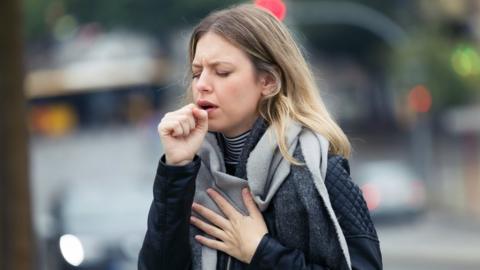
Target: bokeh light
x=420, y=99
x=466, y=61
x=277, y=7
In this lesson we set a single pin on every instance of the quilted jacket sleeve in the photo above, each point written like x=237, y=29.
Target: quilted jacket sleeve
x=166, y=244
x=352, y=213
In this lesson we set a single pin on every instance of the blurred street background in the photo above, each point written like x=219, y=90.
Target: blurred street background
x=402, y=77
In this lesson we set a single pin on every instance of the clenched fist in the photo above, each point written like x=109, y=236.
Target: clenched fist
x=182, y=133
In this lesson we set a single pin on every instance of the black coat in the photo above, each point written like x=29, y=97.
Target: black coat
x=167, y=241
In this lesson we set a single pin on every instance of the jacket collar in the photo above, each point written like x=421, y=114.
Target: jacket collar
x=258, y=129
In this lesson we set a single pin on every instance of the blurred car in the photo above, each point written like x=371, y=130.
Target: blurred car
x=99, y=227
x=391, y=189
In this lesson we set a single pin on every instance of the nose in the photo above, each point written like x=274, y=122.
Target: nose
x=203, y=82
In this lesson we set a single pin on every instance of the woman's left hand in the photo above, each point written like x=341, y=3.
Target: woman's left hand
x=236, y=234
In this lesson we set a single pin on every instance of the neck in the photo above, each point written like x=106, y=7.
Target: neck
x=243, y=127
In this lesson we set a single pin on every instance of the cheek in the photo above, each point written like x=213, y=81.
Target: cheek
x=240, y=93
x=245, y=89
x=242, y=101
x=193, y=93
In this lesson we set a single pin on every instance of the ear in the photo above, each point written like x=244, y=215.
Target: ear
x=267, y=83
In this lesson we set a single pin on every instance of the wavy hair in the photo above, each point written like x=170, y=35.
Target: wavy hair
x=272, y=50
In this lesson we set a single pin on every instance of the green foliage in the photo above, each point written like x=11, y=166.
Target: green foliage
x=428, y=59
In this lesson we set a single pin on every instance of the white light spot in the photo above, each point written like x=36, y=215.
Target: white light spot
x=72, y=249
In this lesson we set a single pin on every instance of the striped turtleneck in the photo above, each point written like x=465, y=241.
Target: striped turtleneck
x=234, y=147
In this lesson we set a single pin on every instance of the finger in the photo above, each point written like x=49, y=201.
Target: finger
x=163, y=127
x=223, y=204
x=188, y=112
x=176, y=127
x=250, y=203
x=207, y=228
x=211, y=216
x=190, y=119
x=189, y=106
x=185, y=126
x=201, y=117
x=200, y=113
x=184, y=122
x=170, y=127
x=214, y=244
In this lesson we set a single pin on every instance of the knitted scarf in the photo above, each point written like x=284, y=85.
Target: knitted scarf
x=266, y=171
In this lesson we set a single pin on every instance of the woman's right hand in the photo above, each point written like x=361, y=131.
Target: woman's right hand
x=182, y=133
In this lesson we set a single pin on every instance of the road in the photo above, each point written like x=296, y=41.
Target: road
x=95, y=158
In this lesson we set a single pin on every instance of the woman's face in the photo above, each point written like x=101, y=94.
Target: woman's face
x=225, y=84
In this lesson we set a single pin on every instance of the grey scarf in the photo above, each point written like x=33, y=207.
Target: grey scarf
x=266, y=171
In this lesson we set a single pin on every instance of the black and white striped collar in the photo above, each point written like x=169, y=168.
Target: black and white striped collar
x=234, y=146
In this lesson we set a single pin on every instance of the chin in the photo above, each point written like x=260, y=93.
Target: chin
x=215, y=128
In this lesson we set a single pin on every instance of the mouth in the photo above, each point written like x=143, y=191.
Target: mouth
x=206, y=105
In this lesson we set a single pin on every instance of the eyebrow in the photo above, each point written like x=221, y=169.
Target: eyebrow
x=214, y=63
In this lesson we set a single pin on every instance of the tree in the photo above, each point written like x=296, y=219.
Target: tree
x=16, y=238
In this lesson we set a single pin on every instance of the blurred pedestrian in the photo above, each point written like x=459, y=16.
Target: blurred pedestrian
x=258, y=159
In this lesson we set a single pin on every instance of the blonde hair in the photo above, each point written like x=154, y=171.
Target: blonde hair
x=272, y=50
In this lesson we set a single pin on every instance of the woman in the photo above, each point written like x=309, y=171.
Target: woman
x=257, y=158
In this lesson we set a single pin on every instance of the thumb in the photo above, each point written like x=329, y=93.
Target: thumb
x=250, y=203
x=202, y=118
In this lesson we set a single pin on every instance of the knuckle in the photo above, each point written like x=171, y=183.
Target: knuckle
x=208, y=229
x=177, y=122
x=183, y=118
x=162, y=125
x=200, y=210
x=229, y=250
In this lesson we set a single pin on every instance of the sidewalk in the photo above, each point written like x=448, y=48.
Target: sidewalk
x=433, y=239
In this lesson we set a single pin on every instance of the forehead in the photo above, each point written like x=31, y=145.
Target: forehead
x=213, y=47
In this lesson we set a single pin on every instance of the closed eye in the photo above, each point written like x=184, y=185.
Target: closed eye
x=223, y=74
